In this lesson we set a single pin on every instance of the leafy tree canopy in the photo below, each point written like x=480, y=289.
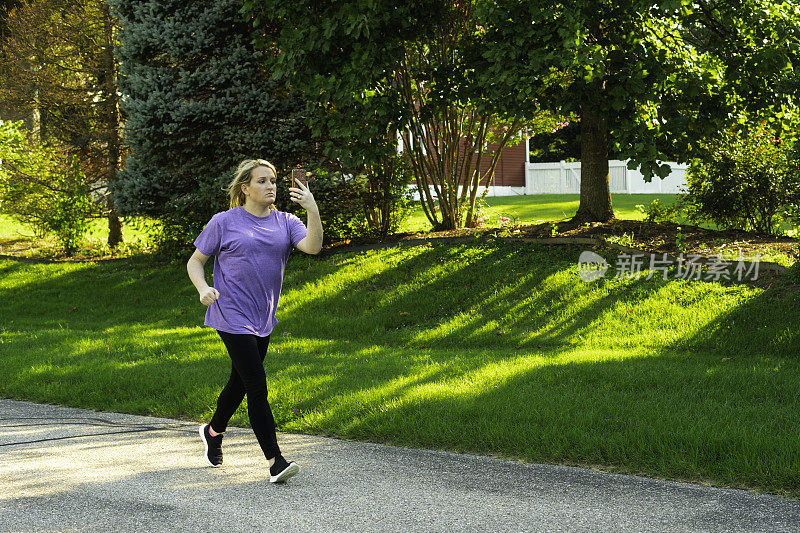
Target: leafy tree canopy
x=668, y=73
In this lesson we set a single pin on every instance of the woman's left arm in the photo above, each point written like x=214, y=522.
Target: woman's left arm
x=312, y=242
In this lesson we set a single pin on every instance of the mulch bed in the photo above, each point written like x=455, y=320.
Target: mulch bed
x=631, y=236
x=662, y=237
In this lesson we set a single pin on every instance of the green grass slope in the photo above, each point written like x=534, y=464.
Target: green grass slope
x=485, y=347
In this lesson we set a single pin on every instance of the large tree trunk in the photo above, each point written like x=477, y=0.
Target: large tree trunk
x=114, y=229
x=595, y=202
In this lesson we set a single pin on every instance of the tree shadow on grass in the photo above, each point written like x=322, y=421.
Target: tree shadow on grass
x=719, y=404
x=147, y=373
x=101, y=296
x=9, y=267
x=659, y=415
x=444, y=285
x=503, y=296
x=697, y=391
x=765, y=325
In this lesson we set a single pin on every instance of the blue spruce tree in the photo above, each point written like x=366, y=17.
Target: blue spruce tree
x=196, y=100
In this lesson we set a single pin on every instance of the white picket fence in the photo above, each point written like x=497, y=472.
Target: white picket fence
x=565, y=178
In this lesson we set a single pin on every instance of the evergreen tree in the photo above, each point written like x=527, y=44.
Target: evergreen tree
x=196, y=101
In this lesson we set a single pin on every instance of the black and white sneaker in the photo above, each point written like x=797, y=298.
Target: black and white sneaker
x=281, y=470
x=213, y=453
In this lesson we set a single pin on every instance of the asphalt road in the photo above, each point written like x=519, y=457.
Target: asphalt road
x=68, y=470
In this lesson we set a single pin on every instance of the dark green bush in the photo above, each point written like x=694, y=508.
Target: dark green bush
x=794, y=269
x=385, y=196
x=792, y=207
x=196, y=101
x=746, y=182
x=339, y=205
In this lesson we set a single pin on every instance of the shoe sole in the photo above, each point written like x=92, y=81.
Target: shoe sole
x=205, y=443
x=287, y=472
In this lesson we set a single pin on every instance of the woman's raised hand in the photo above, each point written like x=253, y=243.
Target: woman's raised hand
x=300, y=194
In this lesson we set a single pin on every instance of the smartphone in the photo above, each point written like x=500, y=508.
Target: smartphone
x=300, y=175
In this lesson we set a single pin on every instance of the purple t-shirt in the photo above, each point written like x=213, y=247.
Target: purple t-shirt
x=250, y=254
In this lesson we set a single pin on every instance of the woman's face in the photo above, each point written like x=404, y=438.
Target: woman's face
x=262, y=187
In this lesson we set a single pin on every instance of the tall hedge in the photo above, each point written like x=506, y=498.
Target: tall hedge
x=196, y=100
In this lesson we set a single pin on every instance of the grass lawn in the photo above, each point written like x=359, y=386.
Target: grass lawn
x=537, y=208
x=8, y=226
x=484, y=347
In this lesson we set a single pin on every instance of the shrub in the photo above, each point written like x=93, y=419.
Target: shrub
x=385, y=196
x=745, y=182
x=792, y=206
x=658, y=212
x=338, y=199
x=67, y=215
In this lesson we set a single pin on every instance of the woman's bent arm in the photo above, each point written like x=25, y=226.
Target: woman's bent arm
x=195, y=268
x=312, y=242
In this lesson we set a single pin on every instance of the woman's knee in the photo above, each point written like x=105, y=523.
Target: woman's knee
x=255, y=387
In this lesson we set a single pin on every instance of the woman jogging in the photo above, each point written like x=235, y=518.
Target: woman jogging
x=250, y=243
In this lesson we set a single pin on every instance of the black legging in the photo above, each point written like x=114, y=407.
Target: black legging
x=247, y=377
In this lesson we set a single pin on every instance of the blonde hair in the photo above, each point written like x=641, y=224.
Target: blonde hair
x=243, y=175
